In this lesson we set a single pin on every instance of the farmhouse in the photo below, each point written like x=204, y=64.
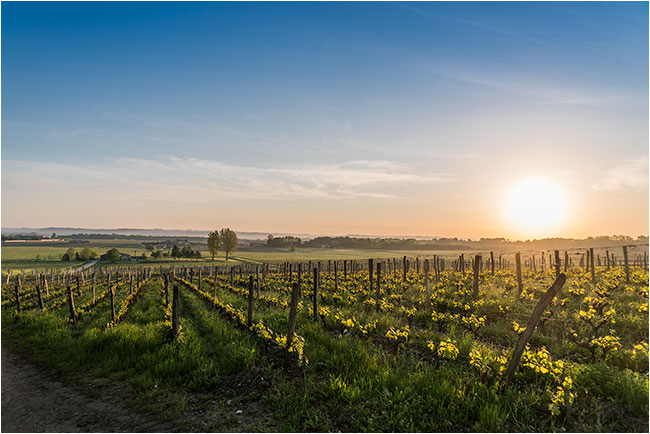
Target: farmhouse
x=123, y=257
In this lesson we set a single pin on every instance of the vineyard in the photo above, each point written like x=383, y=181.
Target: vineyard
x=404, y=344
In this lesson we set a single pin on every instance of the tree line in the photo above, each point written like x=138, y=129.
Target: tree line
x=450, y=243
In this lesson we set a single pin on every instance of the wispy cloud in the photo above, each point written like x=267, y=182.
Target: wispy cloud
x=632, y=173
x=538, y=93
x=473, y=23
x=191, y=179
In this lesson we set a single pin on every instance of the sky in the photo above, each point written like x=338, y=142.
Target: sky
x=389, y=118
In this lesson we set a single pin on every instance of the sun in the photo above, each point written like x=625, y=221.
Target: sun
x=535, y=207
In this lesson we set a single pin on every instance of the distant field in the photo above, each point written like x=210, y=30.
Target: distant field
x=49, y=256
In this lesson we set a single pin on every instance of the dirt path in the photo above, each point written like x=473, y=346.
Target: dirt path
x=33, y=402
x=84, y=266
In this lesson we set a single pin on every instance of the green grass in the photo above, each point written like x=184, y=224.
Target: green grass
x=352, y=382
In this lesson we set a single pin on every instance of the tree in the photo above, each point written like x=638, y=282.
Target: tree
x=70, y=252
x=113, y=255
x=214, y=243
x=87, y=253
x=53, y=236
x=155, y=254
x=175, y=252
x=197, y=254
x=229, y=241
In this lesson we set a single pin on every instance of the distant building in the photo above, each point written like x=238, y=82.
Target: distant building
x=123, y=257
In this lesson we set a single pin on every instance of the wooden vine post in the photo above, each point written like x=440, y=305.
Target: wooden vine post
x=94, y=284
x=530, y=327
x=214, y=287
x=370, y=270
x=316, y=293
x=477, y=260
x=520, y=285
x=593, y=269
x=17, y=293
x=293, y=310
x=113, y=316
x=566, y=261
x=557, y=263
x=249, y=320
x=336, y=276
x=492, y=262
x=627, y=265
x=73, y=312
x=534, y=267
x=175, y=311
x=426, y=281
x=40, y=296
x=378, y=293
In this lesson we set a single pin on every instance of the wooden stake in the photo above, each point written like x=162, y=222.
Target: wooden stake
x=73, y=312
x=250, y=301
x=426, y=281
x=593, y=268
x=520, y=285
x=566, y=261
x=94, y=285
x=477, y=260
x=113, y=316
x=316, y=293
x=166, y=285
x=40, y=297
x=370, y=270
x=378, y=292
x=175, y=311
x=530, y=327
x=17, y=293
x=336, y=276
x=627, y=265
x=293, y=308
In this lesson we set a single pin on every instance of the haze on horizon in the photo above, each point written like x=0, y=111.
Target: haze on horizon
x=445, y=119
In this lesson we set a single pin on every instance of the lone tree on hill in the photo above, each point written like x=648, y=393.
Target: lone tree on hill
x=229, y=241
x=214, y=243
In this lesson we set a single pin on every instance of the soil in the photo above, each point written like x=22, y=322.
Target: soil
x=32, y=401
x=35, y=400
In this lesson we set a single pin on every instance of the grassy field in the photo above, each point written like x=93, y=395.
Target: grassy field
x=402, y=366
x=29, y=256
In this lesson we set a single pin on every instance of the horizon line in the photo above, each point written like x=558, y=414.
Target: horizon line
x=280, y=233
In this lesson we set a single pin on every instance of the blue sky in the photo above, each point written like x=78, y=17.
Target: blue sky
x=298, y=117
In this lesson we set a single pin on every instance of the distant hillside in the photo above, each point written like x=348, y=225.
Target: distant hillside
x=190, y=233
